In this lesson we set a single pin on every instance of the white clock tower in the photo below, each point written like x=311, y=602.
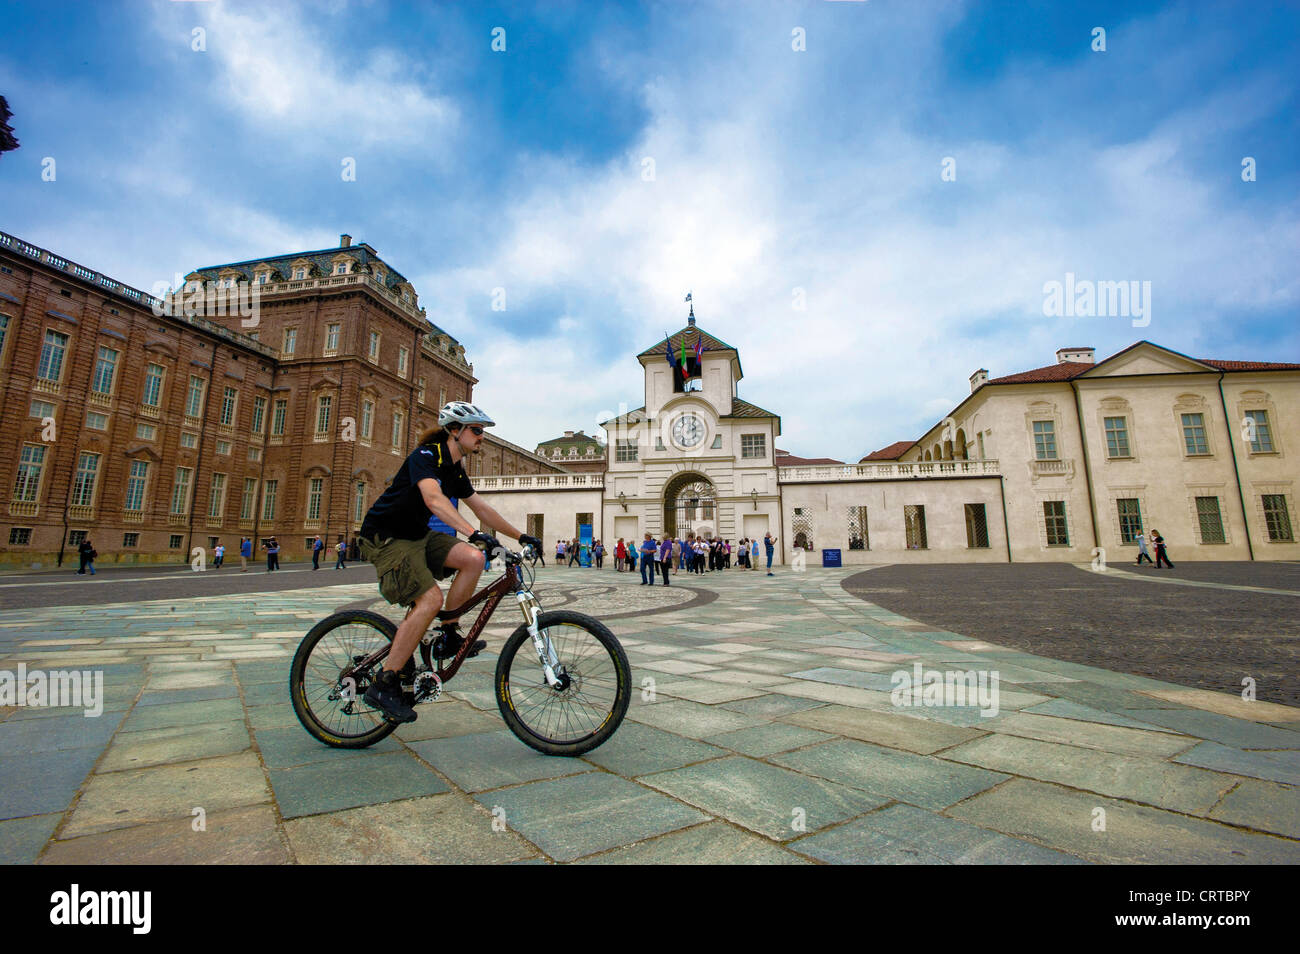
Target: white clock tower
x=694, y=458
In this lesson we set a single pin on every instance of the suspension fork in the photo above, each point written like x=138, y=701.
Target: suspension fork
x=532, y=610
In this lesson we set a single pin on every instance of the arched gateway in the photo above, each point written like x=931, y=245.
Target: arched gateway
x=688, y=501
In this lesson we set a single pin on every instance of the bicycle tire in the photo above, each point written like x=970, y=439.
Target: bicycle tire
x=309, y=689
x=521, y=699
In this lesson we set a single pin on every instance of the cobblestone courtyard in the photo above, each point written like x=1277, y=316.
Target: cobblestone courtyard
x=762, y=731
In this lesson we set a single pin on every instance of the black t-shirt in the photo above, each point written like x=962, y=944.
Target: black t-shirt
x=400, y=510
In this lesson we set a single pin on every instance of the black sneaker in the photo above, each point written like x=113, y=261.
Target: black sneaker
x=449, y=642
x=385, y=694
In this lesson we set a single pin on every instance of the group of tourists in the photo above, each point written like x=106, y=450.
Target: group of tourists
x=572, y=549
x=694, y=554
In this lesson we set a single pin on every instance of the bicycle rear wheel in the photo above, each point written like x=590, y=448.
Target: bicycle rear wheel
x=333, y=712
x=588, y=707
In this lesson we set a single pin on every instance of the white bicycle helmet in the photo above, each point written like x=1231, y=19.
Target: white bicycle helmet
x=462, y=412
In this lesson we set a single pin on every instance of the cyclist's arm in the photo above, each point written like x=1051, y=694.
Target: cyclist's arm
x=437, y=501
x=488, y=515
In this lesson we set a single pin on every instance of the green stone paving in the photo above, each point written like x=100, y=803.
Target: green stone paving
x=764, y=730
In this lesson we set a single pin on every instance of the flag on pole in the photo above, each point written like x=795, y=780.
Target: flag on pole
x=685, y=373
x=688, y=296
x=699, y=347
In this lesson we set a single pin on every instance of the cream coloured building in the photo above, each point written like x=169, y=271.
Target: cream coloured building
x=1057, y=463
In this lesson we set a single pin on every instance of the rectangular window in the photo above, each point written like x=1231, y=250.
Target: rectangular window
x=194, y=399
x=397, y=429
x=174, y=542
x=1130, y=519
x=262, y=277
x=30, y=464
x=105, y=371
x=229, y=402
x=20, y=536
x=977, y=527
x=419, y=391
x=331, y=339
x=442, y=397
x=137, y=477
x=290, y=341
x=403, y=356
x=83, y=483
x=4, y=332
x=189, y=440
x=75, y=537
x=278, y=415
x=248, y=500
x=255, y=454
x=579, y=521
x=130, y=541
x=323, y=413
x=314, y=488
x=374, y=346
x=858, y=538
x=340, y=269
x=96, y=421
x=217, y=496
x=367, y=418
x=153, y=381
x=146, y=432
x=625, y=449
x=1194, y=434
x=914, y=522
x=1210, y=520
x=300, y=273
x=181, y=491
x=1058, y=533
x=259, y=414
x=1117, y=437
x=536, y=523
x=52, y=352
x=1262, y=442
x=1277, y=518
x=753, y=445
x=223, y=448
x=359, y=501
x=1045, y=440
x=41, y=409
x=269, y=492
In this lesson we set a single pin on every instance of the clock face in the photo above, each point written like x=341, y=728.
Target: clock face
x=688, y=430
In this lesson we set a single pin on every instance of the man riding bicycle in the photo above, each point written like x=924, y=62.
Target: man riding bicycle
x=410, y=537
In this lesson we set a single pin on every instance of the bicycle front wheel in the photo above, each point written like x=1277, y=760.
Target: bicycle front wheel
x=592, y=699
x=328, y=707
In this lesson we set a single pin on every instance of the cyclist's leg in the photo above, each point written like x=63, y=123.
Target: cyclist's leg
x=467, y=561
x=413, y=627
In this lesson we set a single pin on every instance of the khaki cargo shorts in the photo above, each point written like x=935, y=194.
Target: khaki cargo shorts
x=408, y=568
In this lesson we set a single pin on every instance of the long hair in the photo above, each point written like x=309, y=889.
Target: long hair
x=434, y=435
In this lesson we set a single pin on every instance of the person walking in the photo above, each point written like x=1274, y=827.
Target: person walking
x=665, y=557
x=753, y=554
x=272, y=549
x=87, y=553
x=1161, y=555
x=631, y=558
x=218, y=555
x=316, y=547
x=342, y=549
x=675, y=555
x=769, y=545
x=1142, y=548
x=620, y=555
x=573, y=552
x=648, y=549
x=599, y=553
x=245, y=551
x=559, y=553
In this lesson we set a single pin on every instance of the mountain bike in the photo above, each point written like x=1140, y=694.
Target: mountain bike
x=562, y=680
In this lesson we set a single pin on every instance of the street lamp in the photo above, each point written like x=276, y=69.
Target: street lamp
x=622, y=498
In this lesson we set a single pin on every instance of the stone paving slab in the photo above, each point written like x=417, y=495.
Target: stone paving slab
x=883, y=728
x=23, y=839
x=763, y=798
x=179, y=743
x=320, y=787
x=641, y=750
x=240, y=836
x=1214, y=727
x=714, y=843
x=1263, y=806
x=903, y=834
x=479, y=763
x=1134, y=834
x=1280, y=766
x=571, y=817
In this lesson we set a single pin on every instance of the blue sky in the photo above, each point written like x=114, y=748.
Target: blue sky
x=775, y=170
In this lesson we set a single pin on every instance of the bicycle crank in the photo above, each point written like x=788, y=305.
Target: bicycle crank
x=427, y=687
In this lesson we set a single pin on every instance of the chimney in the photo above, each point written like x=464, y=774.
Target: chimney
x=978, y=378
x=1081, y=355
x=568, y=433
x=345, y=240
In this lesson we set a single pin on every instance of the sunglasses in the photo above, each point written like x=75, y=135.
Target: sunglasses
x=476, y=429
